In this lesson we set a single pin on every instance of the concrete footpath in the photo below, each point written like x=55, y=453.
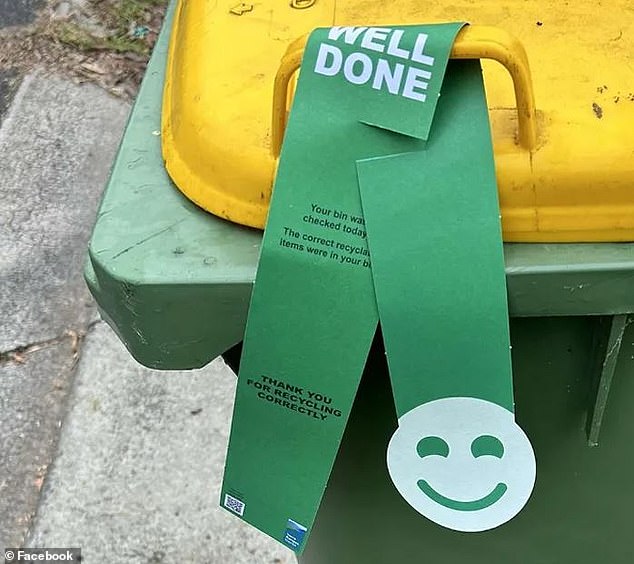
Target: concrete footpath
x=95, y=450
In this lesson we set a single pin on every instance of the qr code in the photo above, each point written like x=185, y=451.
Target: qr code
x=233, y=504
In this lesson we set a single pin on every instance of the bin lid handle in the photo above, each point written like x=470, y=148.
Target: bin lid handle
x=472, y=42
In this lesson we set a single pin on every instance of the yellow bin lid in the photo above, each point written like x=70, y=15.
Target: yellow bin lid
x=563, y=131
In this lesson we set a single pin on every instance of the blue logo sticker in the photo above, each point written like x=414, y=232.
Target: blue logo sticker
x=294, y=535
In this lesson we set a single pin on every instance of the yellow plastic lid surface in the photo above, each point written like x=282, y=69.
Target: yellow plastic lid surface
x=571, y=179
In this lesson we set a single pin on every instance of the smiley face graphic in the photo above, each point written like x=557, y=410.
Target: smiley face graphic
x=462, y=462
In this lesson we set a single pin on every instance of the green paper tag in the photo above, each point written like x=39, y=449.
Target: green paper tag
x=432, y=217
x=434, y=232
x=313, y=312
x=389, y=77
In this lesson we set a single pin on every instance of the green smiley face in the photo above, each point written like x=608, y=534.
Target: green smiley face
x=462, y=462
x=484, y=445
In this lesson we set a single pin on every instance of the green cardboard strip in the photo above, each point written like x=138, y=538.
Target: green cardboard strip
x=313, y=312
x=390, y=76
x=437, y=260
x=432, y=218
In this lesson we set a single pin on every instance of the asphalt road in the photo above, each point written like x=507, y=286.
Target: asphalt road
x=14, y=13
x=18, y=12
x=9, y=82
